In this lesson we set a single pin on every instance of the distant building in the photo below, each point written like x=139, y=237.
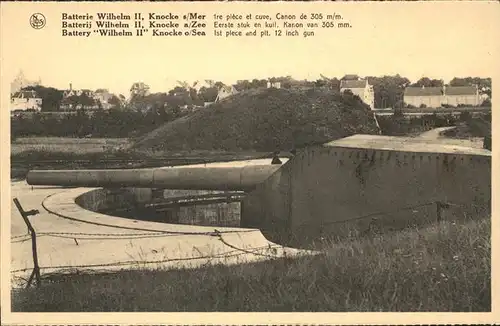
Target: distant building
x=273, y=84
x=431, y=97
x=67, y=104
x=435, y=97
x=361, y=88
x=77, y=92
x=226, y=91
x=21, y=82
x=103, y=96
x=26, y=100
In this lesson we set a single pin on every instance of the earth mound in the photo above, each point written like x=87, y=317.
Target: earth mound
x=265, y=120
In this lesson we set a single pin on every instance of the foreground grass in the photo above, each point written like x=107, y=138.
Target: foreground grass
x=444, y=267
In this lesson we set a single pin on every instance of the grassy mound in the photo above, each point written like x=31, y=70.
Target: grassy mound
x=444, y=267
x=265, y=120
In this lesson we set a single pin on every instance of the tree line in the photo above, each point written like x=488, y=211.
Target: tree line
x=389, y=92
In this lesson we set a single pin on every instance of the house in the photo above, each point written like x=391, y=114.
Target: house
x=435, y=97
x=462, y=95
x=226, y=91
x=361, y=88
x=26, y=100
x=273, y=84
x=68, y=103
x=431, y=97
x=103, y=96
x=77, y=92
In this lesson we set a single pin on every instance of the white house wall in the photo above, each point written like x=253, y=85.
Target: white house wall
x=434, y=101
x=462, y=99
x=26, y=104
x=364, y=94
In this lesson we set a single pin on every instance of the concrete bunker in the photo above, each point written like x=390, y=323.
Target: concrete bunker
x=341, y=188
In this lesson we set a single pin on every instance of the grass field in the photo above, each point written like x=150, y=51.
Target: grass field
x=443, y=267
x=77, y=146
x=42, y=152
x=33, y=148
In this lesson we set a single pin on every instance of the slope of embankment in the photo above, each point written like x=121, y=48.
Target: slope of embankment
x=265, y=120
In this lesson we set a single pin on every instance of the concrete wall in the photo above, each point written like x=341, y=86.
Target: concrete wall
x=128, y=202
x=333, y=190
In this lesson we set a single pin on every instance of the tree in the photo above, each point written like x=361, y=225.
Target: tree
x=286, y=82
x=115, y=102
x=258, y=83
x=483, y=84
x=486, y=103
x=139, y=89
x=389, y=90
x=86, y=101
x=332, y=83
x=51, y=97
x=244, y=84
x=427, y=82
x=350, y=77
x=208, y=94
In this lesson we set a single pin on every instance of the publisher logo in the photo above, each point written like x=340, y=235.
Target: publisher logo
x=37, y=21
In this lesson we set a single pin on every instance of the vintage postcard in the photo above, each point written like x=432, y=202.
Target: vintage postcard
x=248, y=162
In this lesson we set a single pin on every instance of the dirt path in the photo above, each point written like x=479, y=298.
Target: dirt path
x=434, y=133
x=436, y=137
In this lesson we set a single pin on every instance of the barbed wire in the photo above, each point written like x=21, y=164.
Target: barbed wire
x=158, y=234
x=228, y=254
x=244, y=250
x=54, y=235
x=237, y=251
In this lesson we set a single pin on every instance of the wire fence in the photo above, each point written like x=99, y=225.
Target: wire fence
x=269, y=251
x=32, y=236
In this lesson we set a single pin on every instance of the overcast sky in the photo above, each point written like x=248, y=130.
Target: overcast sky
x=438, y=40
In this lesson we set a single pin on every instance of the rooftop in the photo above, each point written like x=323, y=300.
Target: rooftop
x=229, y=88
x=438, y=91
x=25, y=94
x=405, y=144
x=353, y=83
x=460, y=90
x=423, y=91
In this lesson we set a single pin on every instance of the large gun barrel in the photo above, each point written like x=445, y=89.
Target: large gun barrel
x=189, y=178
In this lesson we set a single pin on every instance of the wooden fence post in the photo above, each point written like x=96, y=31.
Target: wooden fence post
x=36, y=267
x=440, y=206
x=438, y=211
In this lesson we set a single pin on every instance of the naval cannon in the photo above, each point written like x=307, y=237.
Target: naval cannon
x=243, y=178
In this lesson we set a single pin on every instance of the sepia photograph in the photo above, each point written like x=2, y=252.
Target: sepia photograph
x=224, y=157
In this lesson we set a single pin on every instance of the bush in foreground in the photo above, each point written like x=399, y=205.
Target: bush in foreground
x=444, y=267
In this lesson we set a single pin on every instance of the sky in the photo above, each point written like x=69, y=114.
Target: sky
x=438, y=40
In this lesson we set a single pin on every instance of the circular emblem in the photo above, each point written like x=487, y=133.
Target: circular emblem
x=37, y=21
